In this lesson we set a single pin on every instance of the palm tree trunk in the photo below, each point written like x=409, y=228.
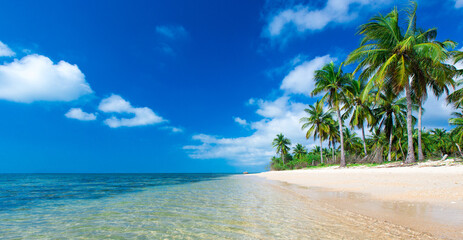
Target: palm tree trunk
x=411, y=150
x=363, y=138
x=400, y=145
x=343, y=159
x=390, y=147
x=321, y=152
x=329, y=146
x=334, y=160
x=283, y=157
x=420, y=149
x=459, y=149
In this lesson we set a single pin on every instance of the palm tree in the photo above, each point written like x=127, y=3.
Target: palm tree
x=332, y=80
x=390, y=113
x=318, y=123
x=299, y=151
x=282, y=145
x=438, y=78
x=333, y=137
x=359, y=106
x=392, y=56
x=353, y=143
x=441, y=139
x=457, y=132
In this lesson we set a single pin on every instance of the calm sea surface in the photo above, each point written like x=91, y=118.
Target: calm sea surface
x=168, y=206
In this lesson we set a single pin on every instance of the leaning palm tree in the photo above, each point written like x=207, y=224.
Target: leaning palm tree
x=299, y=151
x=392, y=56
x=359, y=107
x=281, y=143
x=318, y=123
x=333, y=81
x=390, y=113
x=437, y=79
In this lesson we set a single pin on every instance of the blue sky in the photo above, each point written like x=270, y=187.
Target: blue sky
x=173, y=86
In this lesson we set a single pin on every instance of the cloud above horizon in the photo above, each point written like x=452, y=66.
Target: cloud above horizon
x=140, y=116
x=5, y=51
x=36, y=78
x=302, y=18
x=458, y=3
x=77, y=113
x=300, y=79
x=279, y=116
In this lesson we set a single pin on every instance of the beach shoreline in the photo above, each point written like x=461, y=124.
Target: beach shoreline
x=424, y=198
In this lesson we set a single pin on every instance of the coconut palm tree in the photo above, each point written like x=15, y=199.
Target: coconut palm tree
x=281, y=143
x=457, y=120
x=299, y=151
x=393, y=56
x=441, y=139
x=333, y=81
x=318, y=123
x=359, y=107
x=333, y=137
x=437, y=79
x=390, y=113
x=353, y=142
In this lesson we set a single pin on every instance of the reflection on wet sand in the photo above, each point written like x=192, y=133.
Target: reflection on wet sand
x=439, y=220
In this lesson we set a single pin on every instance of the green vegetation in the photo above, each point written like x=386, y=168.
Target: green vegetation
x=398, y=63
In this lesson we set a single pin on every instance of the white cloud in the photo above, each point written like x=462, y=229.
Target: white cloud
x=458, y=3
x=171, y=31
x=173, y=129
x=241, y=121
x=305, y=18
x=301, y=79
x=176, y=129
x=255, y=149
x=37, y=78
x=437, y=111
x=77, y=113
x=281, y=115
x=140, y=115
x=5, y=51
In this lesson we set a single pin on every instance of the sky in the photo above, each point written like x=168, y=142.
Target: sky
x=174, y=86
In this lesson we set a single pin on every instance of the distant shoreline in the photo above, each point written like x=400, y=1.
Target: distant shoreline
x=426, y=198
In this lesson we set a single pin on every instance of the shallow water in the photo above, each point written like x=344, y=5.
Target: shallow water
x=172, y=206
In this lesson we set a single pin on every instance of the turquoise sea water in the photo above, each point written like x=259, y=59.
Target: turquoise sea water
x=165, y=206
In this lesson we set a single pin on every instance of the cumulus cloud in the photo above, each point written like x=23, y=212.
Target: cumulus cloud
x=140, y=116
x=37, y=78
x=172, y=31
x=304, y=18
x=255, y=149
x=77, y=113
x=5, y=51
x=241, y=121
x=458, y=3
x=301, y=79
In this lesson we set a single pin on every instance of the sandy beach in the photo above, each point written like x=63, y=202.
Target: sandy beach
x=426, y=198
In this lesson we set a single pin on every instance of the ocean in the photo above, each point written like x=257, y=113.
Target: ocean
x=166, y=206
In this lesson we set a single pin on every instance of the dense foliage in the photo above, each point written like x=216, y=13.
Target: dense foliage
x=398, y=63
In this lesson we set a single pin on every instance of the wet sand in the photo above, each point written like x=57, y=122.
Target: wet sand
x=424, y=199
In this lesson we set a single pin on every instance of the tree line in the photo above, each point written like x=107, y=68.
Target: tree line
x=397, y=65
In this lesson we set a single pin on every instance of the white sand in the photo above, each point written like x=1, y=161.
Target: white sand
x=423, y=198
x=425, y=184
